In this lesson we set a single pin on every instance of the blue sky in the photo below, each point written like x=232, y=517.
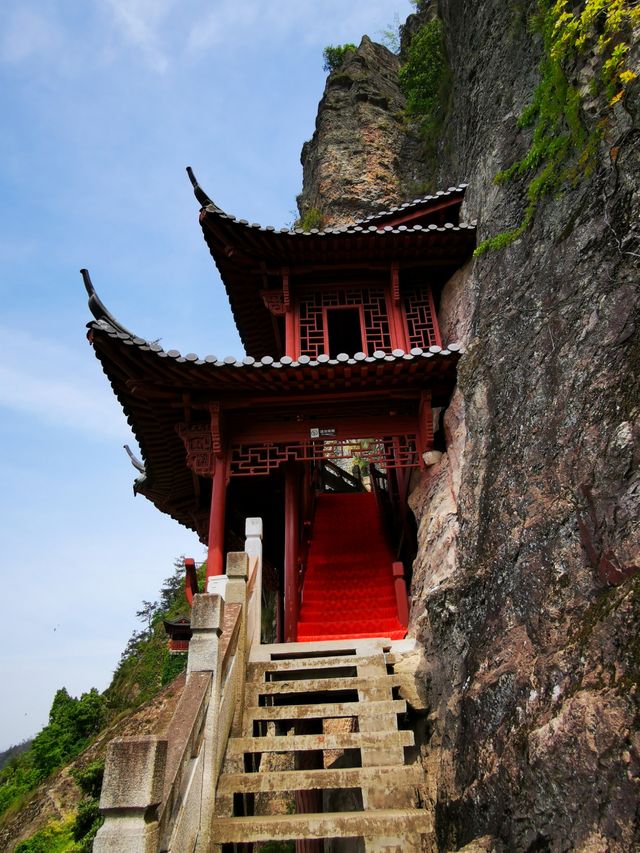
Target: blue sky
x=104, y=103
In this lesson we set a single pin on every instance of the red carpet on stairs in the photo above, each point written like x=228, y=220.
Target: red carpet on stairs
x=348, y=590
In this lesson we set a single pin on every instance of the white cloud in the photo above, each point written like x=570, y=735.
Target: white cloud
x=40, y=377
x=141, y=22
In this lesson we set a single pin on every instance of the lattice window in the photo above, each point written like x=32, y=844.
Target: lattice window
x=311, y=307
x=398, y=451
x=420, y=317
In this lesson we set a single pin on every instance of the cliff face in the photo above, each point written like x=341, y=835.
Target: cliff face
x=361, y=157
x=524, y=592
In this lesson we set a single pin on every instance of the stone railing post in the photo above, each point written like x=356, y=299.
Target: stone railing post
x=207, y=614
x=131, y=795
x=253, y=547
x=237, y=574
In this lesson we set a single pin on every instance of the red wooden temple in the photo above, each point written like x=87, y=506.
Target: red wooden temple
x=345, y=364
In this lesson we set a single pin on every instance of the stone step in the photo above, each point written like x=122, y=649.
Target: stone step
x=257, y=669
x=314, y=685
x=379, y=823
x=307, y=780
x=300, y=743
x=326, y=710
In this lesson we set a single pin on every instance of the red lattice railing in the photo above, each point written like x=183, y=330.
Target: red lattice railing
x=397, y=451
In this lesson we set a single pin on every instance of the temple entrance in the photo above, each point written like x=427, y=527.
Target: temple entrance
x=348, y=539
x=347, y=586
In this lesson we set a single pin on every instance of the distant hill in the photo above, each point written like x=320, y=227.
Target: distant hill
x=14, y=752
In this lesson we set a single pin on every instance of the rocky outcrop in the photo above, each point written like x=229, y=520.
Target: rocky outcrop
x=534, y=657
x=361, y=157
x=525, y=596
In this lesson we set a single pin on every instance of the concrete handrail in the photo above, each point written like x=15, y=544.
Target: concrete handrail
x=159, y=792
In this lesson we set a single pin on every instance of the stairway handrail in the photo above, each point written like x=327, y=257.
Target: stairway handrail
x=159, y=792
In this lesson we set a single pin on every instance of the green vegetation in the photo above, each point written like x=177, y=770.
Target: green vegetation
x=56, y=837
x=562, y=148
x=16, y=780
x=88, y=820
x=72, y=725
x=74, y=834
x=425, y=80
x=390, y=35
x=334, y=55
x=146, y=664
x=311, y=218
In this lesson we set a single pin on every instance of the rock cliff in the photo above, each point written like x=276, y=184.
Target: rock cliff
x=524, y=591
x=361, y=157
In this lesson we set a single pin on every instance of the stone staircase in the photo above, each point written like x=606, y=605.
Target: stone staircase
x=330, y=710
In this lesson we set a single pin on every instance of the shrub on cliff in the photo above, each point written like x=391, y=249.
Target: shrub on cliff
x=425, y=81
x=334, y=55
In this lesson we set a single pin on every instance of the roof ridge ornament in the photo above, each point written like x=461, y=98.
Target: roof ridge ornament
x=97, y=308
x=137, y=464
x=199, y=193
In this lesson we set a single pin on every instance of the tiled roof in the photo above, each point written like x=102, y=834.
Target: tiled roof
x=359, y=227
x=414, y=205
x=112, y=329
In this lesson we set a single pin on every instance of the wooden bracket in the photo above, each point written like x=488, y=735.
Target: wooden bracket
x=216, y=427
x=197, y=443
x=274, y=302
x=285, y=289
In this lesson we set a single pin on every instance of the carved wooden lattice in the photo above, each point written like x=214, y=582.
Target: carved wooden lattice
x=420, y=317
x=311, y=313
x=397, y=451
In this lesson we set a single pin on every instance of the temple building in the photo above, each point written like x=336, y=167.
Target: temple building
x=318, y=429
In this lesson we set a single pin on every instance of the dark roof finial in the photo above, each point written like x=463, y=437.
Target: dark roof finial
x=198, y=192
x=96, y=306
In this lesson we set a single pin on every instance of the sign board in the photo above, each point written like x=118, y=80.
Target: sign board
x=318, y=432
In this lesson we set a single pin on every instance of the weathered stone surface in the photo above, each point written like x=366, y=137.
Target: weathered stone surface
x=533, y=654
x=134, y=772
x=361, y=157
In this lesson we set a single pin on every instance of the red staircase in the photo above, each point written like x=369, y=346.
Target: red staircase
x=348, y=590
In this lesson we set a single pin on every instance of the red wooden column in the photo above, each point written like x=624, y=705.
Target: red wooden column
x=290, y=335
x=291, y=540
x=215, y=554
x=397, y=330
x=290, y=345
